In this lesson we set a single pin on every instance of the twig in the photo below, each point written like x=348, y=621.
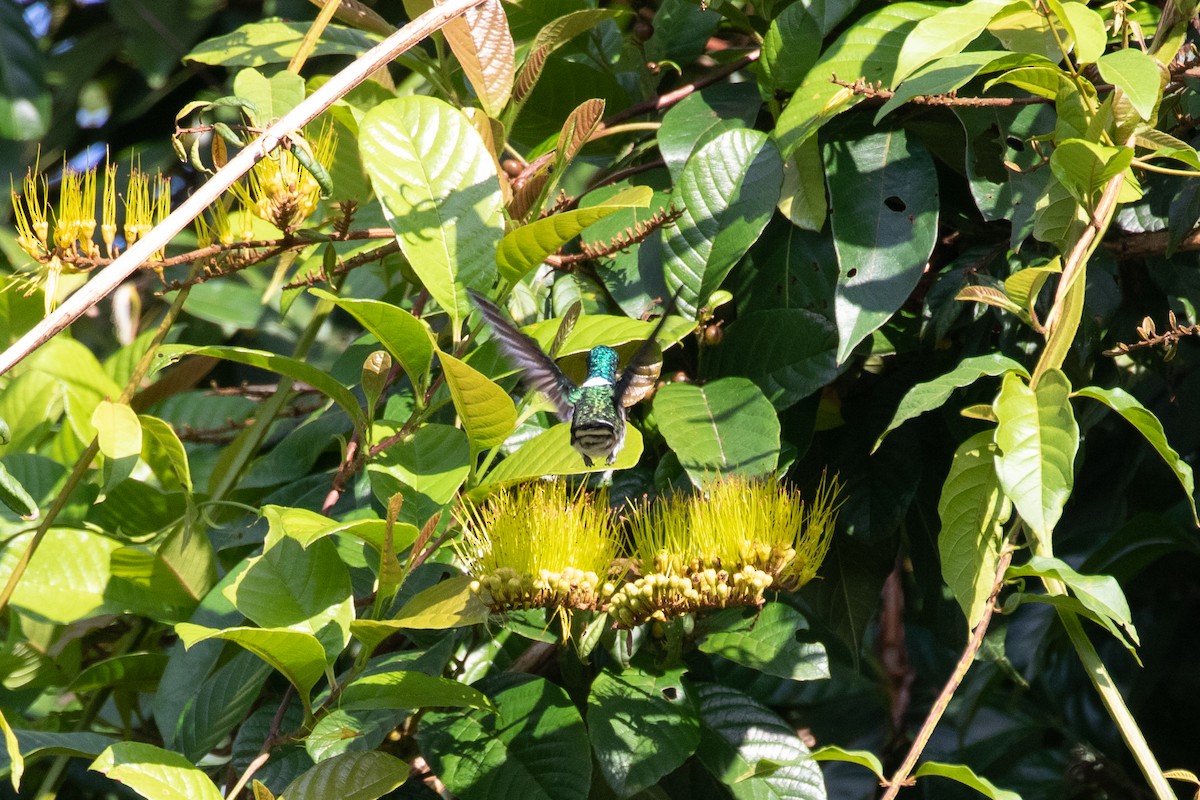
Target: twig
x=672, y=97
x=158, y=238
x=264, y=754
x=901, y=777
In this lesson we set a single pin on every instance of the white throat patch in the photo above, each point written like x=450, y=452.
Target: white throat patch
x=596, y=380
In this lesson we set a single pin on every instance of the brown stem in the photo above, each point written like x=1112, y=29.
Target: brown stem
x=901, y=777
x=672, y=97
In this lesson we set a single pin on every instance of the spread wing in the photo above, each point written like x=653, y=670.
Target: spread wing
x=539, y=370
x=641, y=373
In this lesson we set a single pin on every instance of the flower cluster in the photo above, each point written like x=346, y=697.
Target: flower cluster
x=538, y=547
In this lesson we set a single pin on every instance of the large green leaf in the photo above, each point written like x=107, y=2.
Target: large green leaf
x=401, y=334
x=302, y=588
x=933, y=394
x=297, y=654
x=788, y=352
x=66, y=579
x=273, y=41
x=945, y=33
x=449, y=604
x=1148, y=425
x=154, y=773
x=426, y=467
x=883, y=193
x=217, y=704
x=535, y=748
x=288, y=367
x=867, y=50
x=769, y=641
x=701, y=117
x=438, y=185
x=1136, y=74
x=527, y=246
x=752, y=751
x=641, y=725
x=24, y=97
x=791, y=47
x=36, y=744
x=550, y=453
x=486, y=410
x=972, y=510
x=408, y=689
x=729, y=188
x=1038, y=437
x=350, y=776
x=727, y=426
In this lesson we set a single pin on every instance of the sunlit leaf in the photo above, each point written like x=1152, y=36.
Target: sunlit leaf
x=155, y=773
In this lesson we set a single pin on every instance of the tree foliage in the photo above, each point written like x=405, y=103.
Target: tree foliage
x=915, y=259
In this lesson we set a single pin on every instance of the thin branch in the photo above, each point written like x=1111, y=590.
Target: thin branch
x=158, y=238
x=669, y=99
x=901, y=777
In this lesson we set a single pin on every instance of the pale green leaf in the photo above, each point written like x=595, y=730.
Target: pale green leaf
x=160, y=442
x=1088, y=27
x=1101, y=595
x=273, y=41
x=802, y=196
x=945, y=33
x=972, y=510
x=864, y=758
x=155, y=773
x=1138, y=75
x=118, y=431
x=400, y=689
x=551, y=453
x=296, y=654
x=407, y=338
x=486, y=410
x=1038, y=438
x=525, y=247
x=439, y=189
x=966, y=776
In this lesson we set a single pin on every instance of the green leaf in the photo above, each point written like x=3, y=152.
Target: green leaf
x=1038, y=437
x=273, y=41
x=525, y=247
x=788, y=352
x=24, y=97
x=727, y=426
x=272, y=97
x=864, y=758
x=164, y=452
x=770, y=641
x=1138, y=75
x=1088, y=28
x=641, y=727
x=945, y=33
x=966, y=776
x=342, y=731
x=407, y=689
x=288, y=367
x=67, y=577
x=307, y=527
x=1084, y=167
x=1101, y=595
x=300, y=656
x=551, y=453
x=438, y=185
x=802, y=195
x=535, y=748
x=1022, y=286
x=15, y=497
x=972, y=510
x=729, y=188
x=752, y=751
x=136, y=671
x=595, y=329
x=427, y=467
x=301, y=589
x=486, y=410
x=154, y=773
x=933, y=394
x=118, y=431
x=218, y=703
x=449, y=604
x=36, y=744
x=349, y=776
x=883, y=193
x=404, y=336
x=790, y=47
x=1148, y=425
x=867, y=50
x=703, y=116
x=952, y=72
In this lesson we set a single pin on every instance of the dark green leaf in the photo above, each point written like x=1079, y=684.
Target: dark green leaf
x=727, y=426
x=769, y=641
x=350, y=776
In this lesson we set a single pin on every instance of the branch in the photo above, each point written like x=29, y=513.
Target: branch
x=158, y=238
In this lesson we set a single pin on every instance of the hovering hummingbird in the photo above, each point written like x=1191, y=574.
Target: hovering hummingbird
x=596, y=408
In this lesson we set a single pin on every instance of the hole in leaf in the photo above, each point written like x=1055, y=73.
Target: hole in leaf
x=670, y=693
x=1015, y=143
x=850, y=273
x=894, y=203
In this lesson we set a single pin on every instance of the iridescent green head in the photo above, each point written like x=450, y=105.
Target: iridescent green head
x=602, y=363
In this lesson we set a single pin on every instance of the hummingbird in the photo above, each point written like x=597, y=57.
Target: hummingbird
x=595, y=408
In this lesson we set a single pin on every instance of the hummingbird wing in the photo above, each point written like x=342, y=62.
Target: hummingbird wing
x=539, y=370
x=641, y=373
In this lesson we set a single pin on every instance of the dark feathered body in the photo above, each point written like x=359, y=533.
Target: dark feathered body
x=596, y=409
